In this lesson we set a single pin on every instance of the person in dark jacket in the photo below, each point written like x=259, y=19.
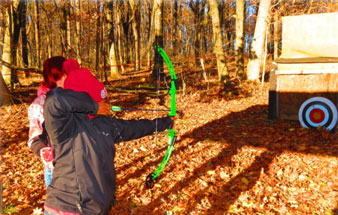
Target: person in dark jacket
x=84, y=173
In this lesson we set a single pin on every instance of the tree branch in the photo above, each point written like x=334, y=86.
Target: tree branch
x=31, y=69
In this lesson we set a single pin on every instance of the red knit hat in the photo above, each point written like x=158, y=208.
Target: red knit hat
x=81, y=80
x=70, y=65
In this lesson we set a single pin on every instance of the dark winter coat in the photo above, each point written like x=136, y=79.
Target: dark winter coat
x=84, y=172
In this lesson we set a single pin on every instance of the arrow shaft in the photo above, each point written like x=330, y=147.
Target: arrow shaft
x=136, y=109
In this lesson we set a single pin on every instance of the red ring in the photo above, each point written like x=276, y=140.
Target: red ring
x=317, y=115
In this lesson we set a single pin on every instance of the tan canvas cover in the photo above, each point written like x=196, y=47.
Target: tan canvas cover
x=310, y=36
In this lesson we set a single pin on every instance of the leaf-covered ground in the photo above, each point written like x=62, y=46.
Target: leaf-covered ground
x=228, y=158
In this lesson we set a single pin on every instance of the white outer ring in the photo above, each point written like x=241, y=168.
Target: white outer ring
x=327, y=102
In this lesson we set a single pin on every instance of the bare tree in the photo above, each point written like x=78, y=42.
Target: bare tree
x=112, y=48
x=98, y=35
x=5, y=96
x=78, y=34
x=37, y=32
x=6, y=54
x=239, y=50
x=197, y=7
x=125, y=30
x=67, y=13
x=65, y=28
x=151, y=17
x=135, y=7
x=257, y=46
x=121, y=40
x=175, y=28
x=22, y=17
x=276, y=24
x=11, y=40
x=158, y=28
x=2, y=27
x=218, y=40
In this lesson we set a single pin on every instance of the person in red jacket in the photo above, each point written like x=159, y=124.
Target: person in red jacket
x=38, y=142
x=84, y=147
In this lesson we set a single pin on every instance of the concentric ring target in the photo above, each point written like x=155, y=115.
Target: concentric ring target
x=318, y=112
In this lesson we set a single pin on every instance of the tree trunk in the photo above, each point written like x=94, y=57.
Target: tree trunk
x=37, y=32
x=175, y=28
x=22, y=13
x=88, y=38
x=239, y=50
x=103, y=45
x=158, y=28
x=127, y=27
x=2, y=29
x=6, y=54
x=7, y=73
x=11, y=42
x=112, y=52
x=98, y=30
x=275, y=35
x=197, y=8
x=16, y=10
x=257, y=46
x=78, y=37
x=124, y=31
x=5, y=95
x=49, y=39
x=68, y=29
x=65, y=26
x=135, y=7
x=151, y=15
x=218, y=49
x=120, y=35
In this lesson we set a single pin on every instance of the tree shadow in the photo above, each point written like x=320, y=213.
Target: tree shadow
x=141, y=171
x=249, y=128
x=335, y=211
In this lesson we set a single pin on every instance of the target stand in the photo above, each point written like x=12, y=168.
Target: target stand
x=311, y=98
x=304, y=78
x=318, y=112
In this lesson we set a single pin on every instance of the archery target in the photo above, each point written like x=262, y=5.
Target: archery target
x=318, y=112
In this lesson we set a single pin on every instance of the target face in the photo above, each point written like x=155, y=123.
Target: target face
x=318, y=112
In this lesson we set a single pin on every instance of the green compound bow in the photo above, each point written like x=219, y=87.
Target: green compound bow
x=171, y=132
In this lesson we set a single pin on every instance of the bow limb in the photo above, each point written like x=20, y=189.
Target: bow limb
x=153, y=176
x=173, y=88
x=172, y=139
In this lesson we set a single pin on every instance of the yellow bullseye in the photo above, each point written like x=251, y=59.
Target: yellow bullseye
x=317, y=116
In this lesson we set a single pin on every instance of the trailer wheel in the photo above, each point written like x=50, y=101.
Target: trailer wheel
x=318, y=112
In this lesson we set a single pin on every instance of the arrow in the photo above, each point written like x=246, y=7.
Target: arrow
x=117, y=108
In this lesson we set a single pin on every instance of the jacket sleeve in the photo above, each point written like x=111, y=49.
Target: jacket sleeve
x=125, y=130
x=40, y=141
x=60, y=108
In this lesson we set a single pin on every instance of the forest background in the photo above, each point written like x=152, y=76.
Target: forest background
x=106, y=36
x=220, y=50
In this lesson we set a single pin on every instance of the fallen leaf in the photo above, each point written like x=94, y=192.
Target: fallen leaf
x=245, y=181
x=37, y=211
x=177, y=209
